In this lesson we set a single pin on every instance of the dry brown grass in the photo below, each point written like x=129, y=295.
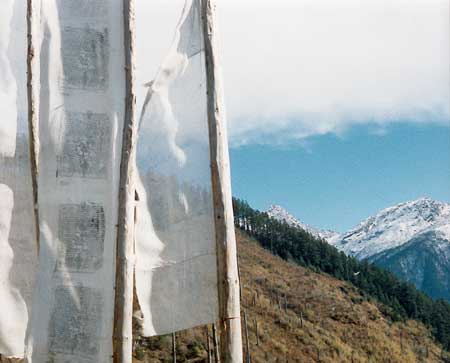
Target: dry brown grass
x=304, y=317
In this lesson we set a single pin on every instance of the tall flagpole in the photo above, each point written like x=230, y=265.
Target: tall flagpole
x=32, y=76
x=228, y=279
x=123, y=332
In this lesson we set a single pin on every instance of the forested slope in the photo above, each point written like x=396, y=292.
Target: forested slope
x=304, y=316
x=401, y=300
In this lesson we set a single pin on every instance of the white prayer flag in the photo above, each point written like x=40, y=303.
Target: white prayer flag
x=79, y=85
x=176, y=273
x=81, y=116
x=8, y=83
x=18, y=246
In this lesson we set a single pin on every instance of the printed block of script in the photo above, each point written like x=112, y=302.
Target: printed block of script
x=87, y=146
x=85, y=58
x=82, y=9
x=74, y=327
x=81, y=237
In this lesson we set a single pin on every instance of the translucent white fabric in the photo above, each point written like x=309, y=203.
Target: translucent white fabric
x=18, y=245
x=176, y=276
x=81, y=112
x=8, y=85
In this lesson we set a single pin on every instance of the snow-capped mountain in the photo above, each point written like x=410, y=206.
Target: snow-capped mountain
x=393, y=227
x=279, y=213
x=424, y=260
x=411, y=239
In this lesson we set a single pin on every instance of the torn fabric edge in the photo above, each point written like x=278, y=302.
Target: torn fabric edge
x=18, y=247
x=176, y=272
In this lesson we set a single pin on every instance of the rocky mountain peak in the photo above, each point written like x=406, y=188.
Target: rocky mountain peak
x=281, y=214
x=394, y=226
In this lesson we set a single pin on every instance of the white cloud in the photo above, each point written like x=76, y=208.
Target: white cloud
x=306, y=67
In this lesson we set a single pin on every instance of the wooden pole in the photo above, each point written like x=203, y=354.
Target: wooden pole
x=216, y=345
x=247, y=343
x=174, y=348
x=123, y=331
x=227, y=269
x=401, y=340
x=208, y=344
x=256, y=332
x=32, y=97
x=241, y=283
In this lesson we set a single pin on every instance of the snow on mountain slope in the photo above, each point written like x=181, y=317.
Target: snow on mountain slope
x=279, y=213
x=395, y=226
x=411, y=239
x=424, y=261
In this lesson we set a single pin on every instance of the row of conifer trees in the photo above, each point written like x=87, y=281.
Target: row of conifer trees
x=400, y=299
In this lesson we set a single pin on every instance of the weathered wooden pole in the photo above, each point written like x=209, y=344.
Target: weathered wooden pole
x=256, y=332
x=241, y=283
x=208, y=344
x=227, y=268
x=32, y=97
x=123, y=331
x=247, y=343
x=401, y=340
x=216, y=345
x=174, y=348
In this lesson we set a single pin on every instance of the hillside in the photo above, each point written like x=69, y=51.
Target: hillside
x=303, y=316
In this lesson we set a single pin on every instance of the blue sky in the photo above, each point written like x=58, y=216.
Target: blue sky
x=334, y=181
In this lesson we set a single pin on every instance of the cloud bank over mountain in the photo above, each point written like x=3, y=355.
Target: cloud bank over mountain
x=295, y=69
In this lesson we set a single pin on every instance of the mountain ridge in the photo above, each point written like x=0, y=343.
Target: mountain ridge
x=282, y=215
x=394, y=226
x=411, y=239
